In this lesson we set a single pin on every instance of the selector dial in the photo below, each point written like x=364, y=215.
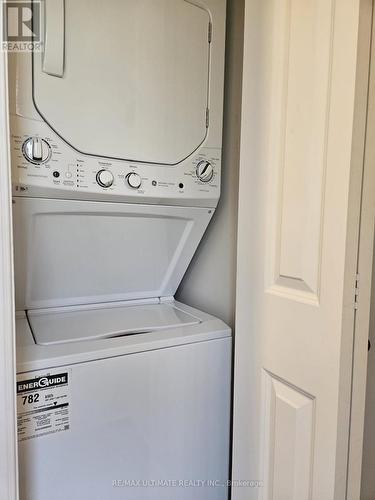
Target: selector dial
x=134, y=180
x=204, y=171
x=104, y=178
x=36, y=150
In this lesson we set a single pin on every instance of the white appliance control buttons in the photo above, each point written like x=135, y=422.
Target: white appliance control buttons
x=205, y=171
x=104, y=178
x=36, y=150
x=134, y=180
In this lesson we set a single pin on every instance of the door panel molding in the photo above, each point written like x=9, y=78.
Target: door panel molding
x=301, y=84
x=288, y=440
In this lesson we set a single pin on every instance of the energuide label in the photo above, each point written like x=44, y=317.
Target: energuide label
x=43, y=403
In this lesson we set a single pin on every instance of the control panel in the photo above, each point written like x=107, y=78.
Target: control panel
x=44, y=165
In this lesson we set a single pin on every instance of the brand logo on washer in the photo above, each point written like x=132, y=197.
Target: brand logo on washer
x=21, y=26
x=42, y=382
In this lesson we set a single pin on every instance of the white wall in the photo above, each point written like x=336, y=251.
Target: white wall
x=368, y=463
x=209, y=283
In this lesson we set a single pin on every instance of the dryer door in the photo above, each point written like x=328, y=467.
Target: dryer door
x=125, y=79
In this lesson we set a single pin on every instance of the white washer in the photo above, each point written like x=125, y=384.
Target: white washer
x=142, y=416
x=138, y=404
x=116, y=164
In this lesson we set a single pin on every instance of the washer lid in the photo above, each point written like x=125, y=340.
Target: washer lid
x=58, y=326
x=31, y=356
x=81, y=252
x=125, y=79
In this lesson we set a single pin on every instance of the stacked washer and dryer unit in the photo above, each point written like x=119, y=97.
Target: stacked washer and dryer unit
x=116, y=128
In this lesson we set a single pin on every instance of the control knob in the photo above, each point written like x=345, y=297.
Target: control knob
x=134, y=180
x=204, y=171
x=104, y=178
x=36, y=150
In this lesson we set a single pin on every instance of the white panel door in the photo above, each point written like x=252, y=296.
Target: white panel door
x=300, y=180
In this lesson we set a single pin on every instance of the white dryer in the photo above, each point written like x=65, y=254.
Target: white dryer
x=116, y=156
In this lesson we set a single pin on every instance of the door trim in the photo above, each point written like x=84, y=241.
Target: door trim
x=8, y=428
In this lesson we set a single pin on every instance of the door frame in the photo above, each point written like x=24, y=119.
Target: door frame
x=8, y=424
x=364, y=277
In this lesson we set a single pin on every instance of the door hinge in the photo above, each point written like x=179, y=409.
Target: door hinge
x=207, y=117
x=209, y=32
x=356, y=292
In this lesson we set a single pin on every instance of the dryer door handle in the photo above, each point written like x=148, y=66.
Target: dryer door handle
x=54, y=37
